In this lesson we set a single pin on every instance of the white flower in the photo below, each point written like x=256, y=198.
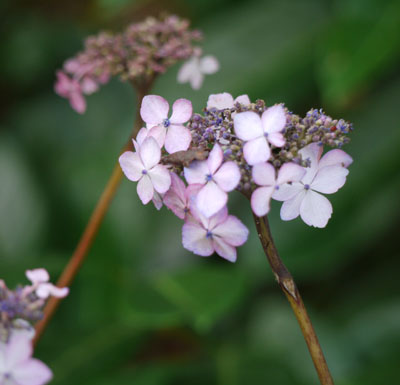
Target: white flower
x=325, y=175
x=195, y=68
x=43, y=288
x=258, y=131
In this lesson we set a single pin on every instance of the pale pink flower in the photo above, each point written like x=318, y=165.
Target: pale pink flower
x=221, y=233
x=89, y=85
x=41, y=285
x=17, y=367
x=257, y=131
x=142, y=166
x=225, y=100
x=71, y=89
x=325, y=175
x=217, y=179
x=157, y=200
x=195, y=68
x=168, y=131
x=178, y=197
x=264, y=175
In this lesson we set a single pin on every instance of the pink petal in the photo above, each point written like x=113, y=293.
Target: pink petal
x=291, y=208
x=312, y=152
x=175, y=204
x=211, y=199
x=194, y=239
x=224, y=250
x=131, y=165
x=329, y=179
x=89, y=85
x=150, y=153
x=196, y=172
x=220, y=101
x=157, y=200
x=217, y=219
x=142, y=135
x=264, y=174
x=287, y=191
x=256, y=151
x=290, y=172
x=260, y=200
x=145, y=189
x=228, y=176
x=37, y=275
x=154, y=109
x=188, y=69
x=243, y=99
x=335, y=158
x=17, y=350
x=274, y=119
x=47, y=289
x=32, y=372
x=215, y=158
x=196, y=80
x=62, y=85
x=158, y=133
x=248, y=125
x=315, y=209
x=232, y=231
x=160, y=178
x=182, y=111
x=78, y=102
x=208, y=65
x=277, y=139
x=178, y=138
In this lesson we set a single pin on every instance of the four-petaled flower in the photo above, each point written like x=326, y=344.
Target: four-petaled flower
x=217, y=179
x=225, y=100
x=325, y=175
x=221, y=233
x=41, y=285
x=71, y=89
x=257, y=131
x=167, y=131
x=17, y=367
x=142, y=166
x=264, y=175
x=195, y=68
x=178, y=197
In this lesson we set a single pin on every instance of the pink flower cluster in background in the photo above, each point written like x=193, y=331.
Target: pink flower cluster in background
x=138, y=54
x=264, y=152
x=19, y=309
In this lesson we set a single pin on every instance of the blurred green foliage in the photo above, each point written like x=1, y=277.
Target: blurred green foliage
x=143, y=310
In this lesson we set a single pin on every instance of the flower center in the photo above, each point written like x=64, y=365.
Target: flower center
x=277, y=187
x=166, y=122
x=209, y=234
x=266, y=134
x=307, y=186
x=144, y=172
x=208, y=177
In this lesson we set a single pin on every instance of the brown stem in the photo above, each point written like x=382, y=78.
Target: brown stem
x=287, y=284
x=92, y=228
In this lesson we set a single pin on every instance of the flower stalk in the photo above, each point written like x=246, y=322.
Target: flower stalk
x=288, y=286
x=78, y=257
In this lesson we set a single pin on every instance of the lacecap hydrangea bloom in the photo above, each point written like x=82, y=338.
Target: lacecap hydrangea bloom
x=19, y=310
x=139, y=54
x=265, y=152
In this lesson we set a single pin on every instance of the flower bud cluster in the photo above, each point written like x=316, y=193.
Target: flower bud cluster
x=138, y=54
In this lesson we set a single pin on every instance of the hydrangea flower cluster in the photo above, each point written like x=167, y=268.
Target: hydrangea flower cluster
x=264, y=152
x=18, y=309
x=138, y=54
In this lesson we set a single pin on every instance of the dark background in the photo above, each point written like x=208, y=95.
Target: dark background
x=145, y=311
